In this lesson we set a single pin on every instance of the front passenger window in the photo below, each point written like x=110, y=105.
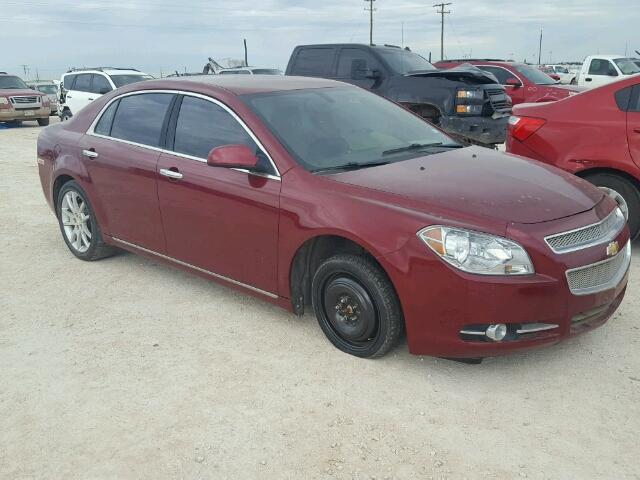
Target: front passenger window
x=202, y=126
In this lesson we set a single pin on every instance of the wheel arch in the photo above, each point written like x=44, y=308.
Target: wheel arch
x=611, y=171
x=58, y=182
x=310, y=255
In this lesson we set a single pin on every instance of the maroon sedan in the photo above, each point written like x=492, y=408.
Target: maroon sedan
x=524, y=83
x=307, y=191
x=595, y=135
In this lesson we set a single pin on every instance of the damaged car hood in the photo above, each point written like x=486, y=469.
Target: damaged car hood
x=466, y=71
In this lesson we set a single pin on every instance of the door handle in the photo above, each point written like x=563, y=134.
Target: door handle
x=175, y=175
x=90, y=99
x=587, y=79
x=69, y=96
x=637, y=130
x=90, y=153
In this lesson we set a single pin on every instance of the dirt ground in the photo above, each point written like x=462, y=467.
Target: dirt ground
x=126, y=369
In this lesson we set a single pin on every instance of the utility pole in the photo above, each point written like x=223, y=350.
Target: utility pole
x=540, y=49
x=370, y=9
x=442, y=12
x=25, y=69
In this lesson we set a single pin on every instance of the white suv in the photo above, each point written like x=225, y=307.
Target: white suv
x=79, y=87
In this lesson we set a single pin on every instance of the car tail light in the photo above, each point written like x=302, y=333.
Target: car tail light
x=522, y=128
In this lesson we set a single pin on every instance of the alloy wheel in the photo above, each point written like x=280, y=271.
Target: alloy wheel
x=76, y=221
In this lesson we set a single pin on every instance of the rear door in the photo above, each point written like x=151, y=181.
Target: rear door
x=633, y=124
x=80, y=93
x=222, y=220
x=121, y=155
x=313, y=62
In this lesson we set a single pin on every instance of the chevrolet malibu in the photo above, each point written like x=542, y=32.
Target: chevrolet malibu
x=313, y=193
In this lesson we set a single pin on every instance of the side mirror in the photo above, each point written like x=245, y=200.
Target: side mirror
x=233, y=156
x=514, y=82
x=104, y=90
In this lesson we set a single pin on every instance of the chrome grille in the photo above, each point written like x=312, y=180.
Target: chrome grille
x=23, y=100
x=588, y=236
x=601, y=275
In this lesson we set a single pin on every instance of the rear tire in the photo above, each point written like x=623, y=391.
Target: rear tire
x=78, y=224
x=65, y=115
x=627, y=190
x=43, y=122
x=356, y=306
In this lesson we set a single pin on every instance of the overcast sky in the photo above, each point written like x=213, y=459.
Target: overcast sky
x=163, y=35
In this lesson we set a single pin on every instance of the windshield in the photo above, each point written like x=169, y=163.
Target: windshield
x=627, y=66
x=120, y=80
x=534, y=75
x=403, y=61
x=48, y=89
x=561, y=69
x=9, y=82
x=327, y=128
x=267, y=71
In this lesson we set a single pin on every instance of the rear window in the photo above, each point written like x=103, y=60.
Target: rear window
x=314, y=62
x=403, y=61
x=139, y=118
x=121, y=80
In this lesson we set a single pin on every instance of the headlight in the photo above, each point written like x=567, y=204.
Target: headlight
x=470, y=94
x=476, y=109
x=4, y=101
x=476, y=252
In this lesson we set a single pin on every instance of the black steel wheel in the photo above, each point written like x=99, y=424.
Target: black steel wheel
x=356, y=306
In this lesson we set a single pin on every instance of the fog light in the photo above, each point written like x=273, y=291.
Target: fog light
x=496, y=332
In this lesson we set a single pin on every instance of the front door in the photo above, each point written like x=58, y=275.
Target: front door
x=121, y=157
x=221, y=220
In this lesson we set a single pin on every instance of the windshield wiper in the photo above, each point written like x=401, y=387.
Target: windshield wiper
x=420, y=146
x=349, y=166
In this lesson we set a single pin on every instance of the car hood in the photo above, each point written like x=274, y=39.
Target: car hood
x=466, y=71
x=483, y=183
x=10, y=92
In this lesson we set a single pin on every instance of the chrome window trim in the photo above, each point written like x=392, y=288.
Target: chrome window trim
x=202, y=270
x=626, y=251
x=593, y=243
x=91, y=130
x=506, y=70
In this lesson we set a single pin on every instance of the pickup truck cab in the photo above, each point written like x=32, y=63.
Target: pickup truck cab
x=466, y=102
x=598, y=70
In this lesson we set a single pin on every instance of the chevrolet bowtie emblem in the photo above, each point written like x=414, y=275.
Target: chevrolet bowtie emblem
x=612, y=249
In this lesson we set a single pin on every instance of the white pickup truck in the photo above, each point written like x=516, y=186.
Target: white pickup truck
x=598, y=70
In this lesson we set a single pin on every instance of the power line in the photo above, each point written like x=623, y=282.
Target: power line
x=442, y=12
x=370, y=9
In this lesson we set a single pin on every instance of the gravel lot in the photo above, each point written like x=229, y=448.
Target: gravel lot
x=125, y=368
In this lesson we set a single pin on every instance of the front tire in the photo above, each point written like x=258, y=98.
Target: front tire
x=43, y=122
x=78, y=224
x=356, y=306
x=65, y=115
x=625, y=193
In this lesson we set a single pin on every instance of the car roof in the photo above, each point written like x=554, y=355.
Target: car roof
x=607, y=57
x=242, y=84
x=107, y=71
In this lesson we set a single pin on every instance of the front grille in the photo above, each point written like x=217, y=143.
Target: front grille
x=499, y=100
x=23, y=100
x=601, y=275
x=588, y=236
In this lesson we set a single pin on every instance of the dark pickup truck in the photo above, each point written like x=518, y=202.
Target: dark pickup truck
x=466, y=102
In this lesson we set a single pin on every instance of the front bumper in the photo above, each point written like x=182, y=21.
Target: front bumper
x=8, y=115
x=439, y=301
x=479, y=130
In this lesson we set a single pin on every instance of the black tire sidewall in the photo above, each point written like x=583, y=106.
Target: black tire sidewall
x=381, y=292
x=96, y=238
x=43, y=122
x=628, y=191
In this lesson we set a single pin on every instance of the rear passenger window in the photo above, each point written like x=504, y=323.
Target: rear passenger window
x=68, y=81
x=103, y=127
x=203, y=125
x=314, y=62
x=100, y=84
x=139, y=118
x=83, y=83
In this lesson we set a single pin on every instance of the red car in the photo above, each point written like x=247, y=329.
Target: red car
x=307, y=191
x=524, y=83
x=595, y=135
